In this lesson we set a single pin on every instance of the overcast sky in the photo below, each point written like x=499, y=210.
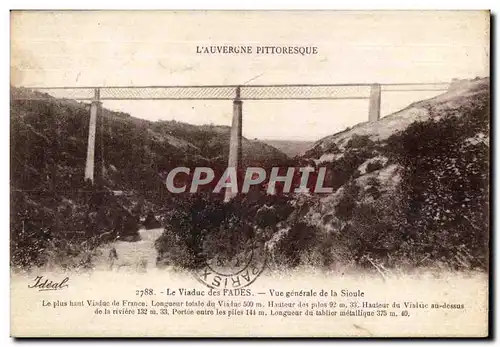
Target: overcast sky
x=159, y=48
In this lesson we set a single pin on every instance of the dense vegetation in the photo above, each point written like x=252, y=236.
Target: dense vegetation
x=54, y=211
x=437, y=212
x=417, y=198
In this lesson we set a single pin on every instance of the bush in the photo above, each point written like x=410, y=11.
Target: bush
x=345, y=207
x=374, y=166
x=300, y=240
x=359, y=141
x=205, y=228
x=151, y=222
x=376, y=231
x=45, y=225
x=445, y=183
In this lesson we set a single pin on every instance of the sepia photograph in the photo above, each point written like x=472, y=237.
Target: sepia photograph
x=239, y=173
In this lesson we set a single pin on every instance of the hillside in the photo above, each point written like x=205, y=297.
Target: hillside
x=49, y=144
x=49, y=198
x=291, y=148
x=409, y=191
x=411, y=188
x=462, y=93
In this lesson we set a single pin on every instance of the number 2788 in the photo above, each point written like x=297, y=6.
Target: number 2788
x=143, y=292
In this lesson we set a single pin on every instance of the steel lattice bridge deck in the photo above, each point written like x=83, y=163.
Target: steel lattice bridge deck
x=228, y=92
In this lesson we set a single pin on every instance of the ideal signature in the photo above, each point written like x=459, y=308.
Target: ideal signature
x=43, y=283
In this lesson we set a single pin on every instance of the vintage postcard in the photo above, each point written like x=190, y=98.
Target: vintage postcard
x=250, y=173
